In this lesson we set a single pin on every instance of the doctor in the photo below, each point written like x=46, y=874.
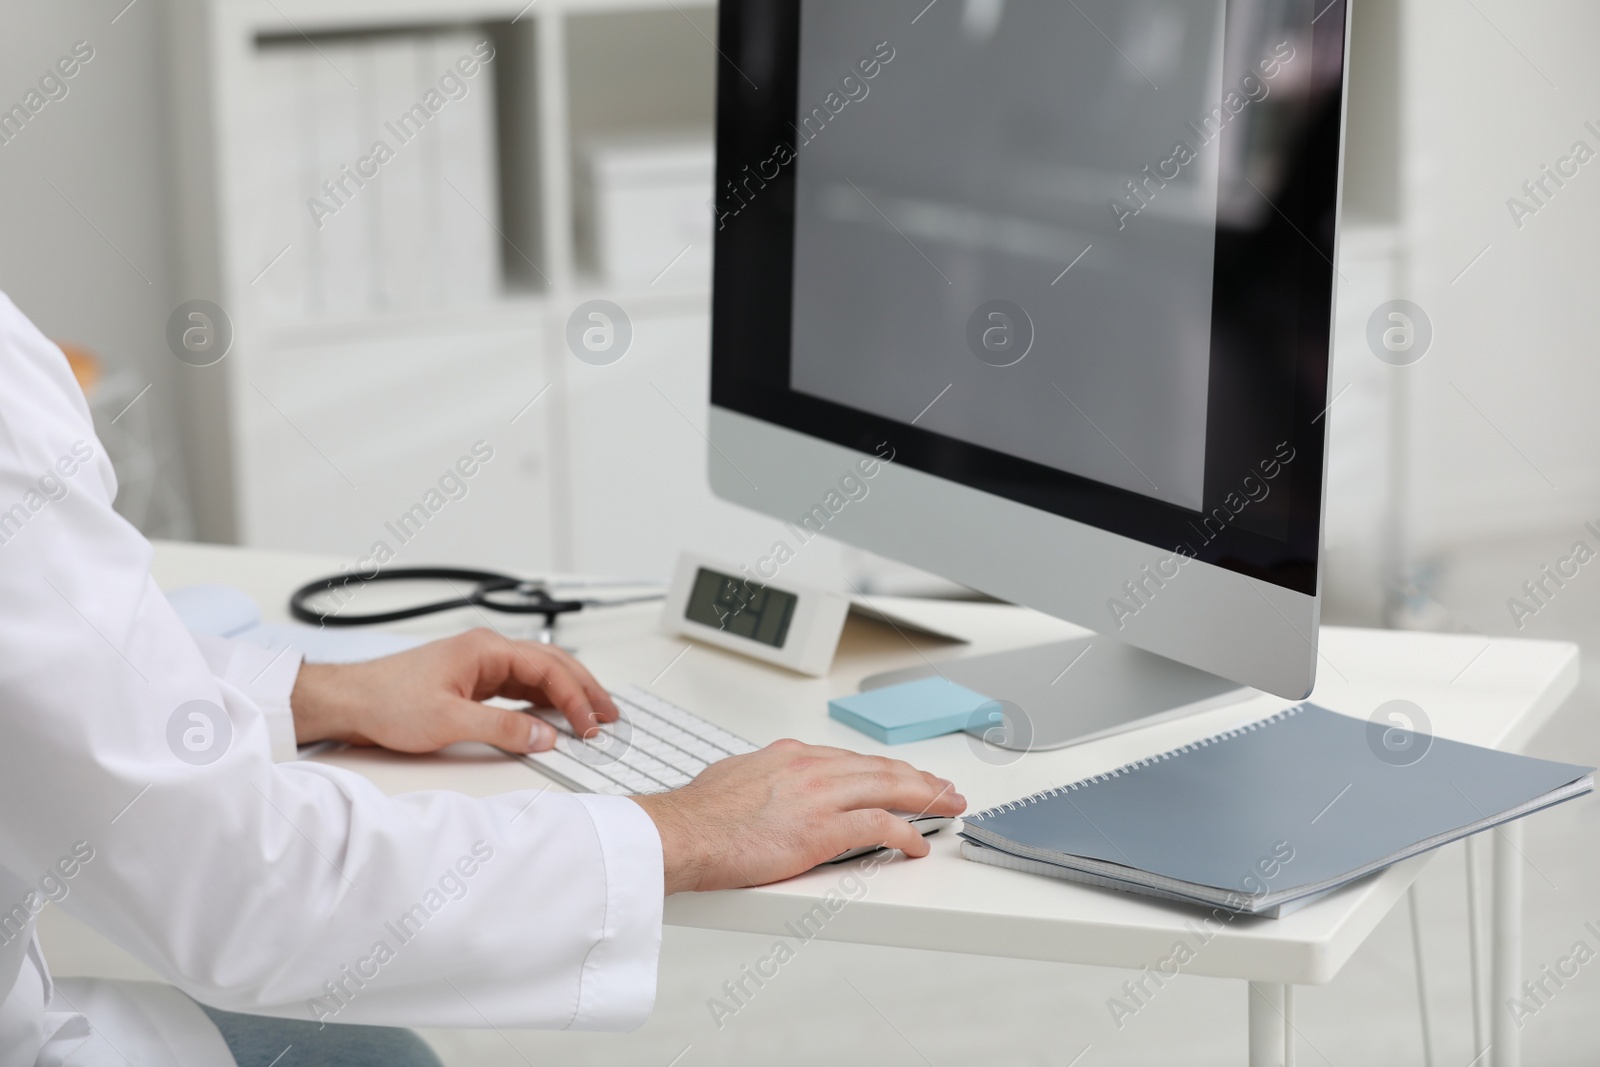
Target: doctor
x=260, y=886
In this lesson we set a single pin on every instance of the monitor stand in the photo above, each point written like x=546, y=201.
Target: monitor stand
x=1069, y=692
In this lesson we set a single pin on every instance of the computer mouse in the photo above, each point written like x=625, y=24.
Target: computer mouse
x=925, y=824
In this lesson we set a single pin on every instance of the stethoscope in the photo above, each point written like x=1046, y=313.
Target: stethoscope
x=491, y=590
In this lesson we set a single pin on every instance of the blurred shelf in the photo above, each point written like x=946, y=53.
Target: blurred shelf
x=304, y=409
x=644, y=300
x=526, y=313
x=274, y=17
x=513, y=313
x=595, y=7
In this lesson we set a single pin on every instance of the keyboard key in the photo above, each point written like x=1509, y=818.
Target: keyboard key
x=709, y=753
x=578, y=775
x=648, y=720
x=655, y=747
x=683, y=763
x=735, y=746
x=635, y=781
x=672, y=735
x=647, y=764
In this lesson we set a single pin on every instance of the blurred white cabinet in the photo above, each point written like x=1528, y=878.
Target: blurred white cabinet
x=333, y=418
x=339, y=440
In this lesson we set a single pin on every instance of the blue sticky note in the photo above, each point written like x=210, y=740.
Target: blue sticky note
x=912, y=711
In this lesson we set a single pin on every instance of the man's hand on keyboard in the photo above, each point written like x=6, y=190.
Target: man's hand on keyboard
x=771, y=814
x=426, y=698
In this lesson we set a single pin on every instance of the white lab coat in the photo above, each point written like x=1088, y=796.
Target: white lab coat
x=279, y=888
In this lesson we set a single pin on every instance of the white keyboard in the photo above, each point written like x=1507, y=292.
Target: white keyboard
x=653, y=747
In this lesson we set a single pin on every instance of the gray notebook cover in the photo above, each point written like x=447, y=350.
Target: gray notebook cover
x=995, y=858
x=1292, y=804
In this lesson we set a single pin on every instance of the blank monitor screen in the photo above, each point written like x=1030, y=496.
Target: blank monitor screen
x=1076, y=254
x=1017, y=179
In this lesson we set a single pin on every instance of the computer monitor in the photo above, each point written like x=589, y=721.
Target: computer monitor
x=1061, y=275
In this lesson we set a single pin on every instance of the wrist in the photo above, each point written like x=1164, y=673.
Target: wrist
x=681, y=862
x=321, y=704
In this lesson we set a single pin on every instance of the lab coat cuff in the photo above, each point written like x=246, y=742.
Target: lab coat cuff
x=618, y=987
x=266, y=677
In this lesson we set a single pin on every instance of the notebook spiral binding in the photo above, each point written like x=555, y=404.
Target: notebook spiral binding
x=1226, y=735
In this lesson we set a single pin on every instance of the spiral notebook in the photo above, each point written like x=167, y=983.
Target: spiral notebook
x=1273, y=813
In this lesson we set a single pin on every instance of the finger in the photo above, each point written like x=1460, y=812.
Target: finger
x=801, y=749
x=854, y=765
x=507, y=728
x=604, y=706
x=548, y=677
x=516, y=670
x=843, y=761
x=901, y=790
x=947, y=802
x=546, y=658
x=875, y=827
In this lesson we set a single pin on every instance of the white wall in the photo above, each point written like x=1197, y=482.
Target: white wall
x=95, y=270
x=1497, y=89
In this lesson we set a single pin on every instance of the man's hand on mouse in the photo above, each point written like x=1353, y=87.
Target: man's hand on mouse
x=769, y=815
x=426, y=698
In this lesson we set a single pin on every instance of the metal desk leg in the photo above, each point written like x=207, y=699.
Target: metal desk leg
x=1474, y=951
x=1422, y=975
x=1506, y=1048
x=1269, y=1024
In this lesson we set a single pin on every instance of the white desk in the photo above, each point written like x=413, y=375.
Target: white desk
x=1489, y=693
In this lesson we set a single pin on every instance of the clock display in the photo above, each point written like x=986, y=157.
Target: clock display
x=737, y=607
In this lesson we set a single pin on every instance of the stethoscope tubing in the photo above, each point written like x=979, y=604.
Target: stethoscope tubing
x=485, y=585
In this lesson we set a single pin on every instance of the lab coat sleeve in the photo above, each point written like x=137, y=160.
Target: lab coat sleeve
x=293, y=889
x=263, y=677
